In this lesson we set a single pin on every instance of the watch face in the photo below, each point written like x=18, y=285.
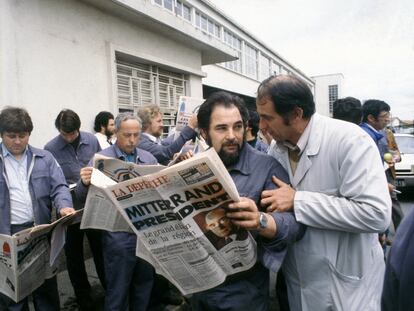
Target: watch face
x=263, y=220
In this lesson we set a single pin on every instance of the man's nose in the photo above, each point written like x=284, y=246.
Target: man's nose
x=262, y=124
x=230, y=134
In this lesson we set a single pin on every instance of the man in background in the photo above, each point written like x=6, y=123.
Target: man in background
x=348, y=109
x=30, y=181
x=104, y=128
x=73, y=149
x=129, y=279
x=152, y=129
x=252, y=131
x=376, y=116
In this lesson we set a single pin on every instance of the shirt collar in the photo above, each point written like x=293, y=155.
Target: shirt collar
x=6, y=153
x=372, y=128
x=153, y=138
x=122, y=155
x=303, y=140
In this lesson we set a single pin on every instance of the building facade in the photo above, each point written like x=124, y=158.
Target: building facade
x=117, y=55
x=328, y=88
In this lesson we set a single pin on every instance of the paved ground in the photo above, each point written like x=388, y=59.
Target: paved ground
x=68, y=302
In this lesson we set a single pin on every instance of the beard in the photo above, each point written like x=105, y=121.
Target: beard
x=228, y=158
x=108, y=133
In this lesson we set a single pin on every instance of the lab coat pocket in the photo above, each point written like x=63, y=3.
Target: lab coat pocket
x=346, y=291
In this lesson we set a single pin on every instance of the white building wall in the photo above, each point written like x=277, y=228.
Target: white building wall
x=321, y=95
x=60, y=54
x=228, y=80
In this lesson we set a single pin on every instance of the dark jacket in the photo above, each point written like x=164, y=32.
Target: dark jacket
x=398, y=288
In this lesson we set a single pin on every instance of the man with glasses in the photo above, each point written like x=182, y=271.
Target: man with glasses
x=376, y=116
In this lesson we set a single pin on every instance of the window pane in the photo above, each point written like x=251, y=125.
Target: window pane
x=210, y=27
x=168, y=5
x=158, y=2
x=251, y=62
x=179, y=9
x=217, y=30
x=187, y=13
x=204, y=23
x=198, y=20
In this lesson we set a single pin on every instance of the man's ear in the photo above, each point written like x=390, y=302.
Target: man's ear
x=371, y=119
x=297, y=113
x=203, y=133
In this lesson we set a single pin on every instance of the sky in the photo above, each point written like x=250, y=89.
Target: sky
x=371, y=42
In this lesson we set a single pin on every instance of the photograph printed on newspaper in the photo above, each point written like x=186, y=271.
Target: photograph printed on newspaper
x=178, y=214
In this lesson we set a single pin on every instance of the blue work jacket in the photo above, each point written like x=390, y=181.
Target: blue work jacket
x=165, y=153
x=72, y=161
x=46, y=185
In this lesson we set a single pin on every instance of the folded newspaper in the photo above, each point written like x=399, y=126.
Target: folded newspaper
x=28, y=257
x=178, y=215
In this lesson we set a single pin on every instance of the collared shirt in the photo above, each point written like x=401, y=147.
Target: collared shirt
x=295, y=151
x=103, y=140
x=21, y=208
x=156, y=140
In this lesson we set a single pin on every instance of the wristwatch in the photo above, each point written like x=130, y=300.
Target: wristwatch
x=262, y=221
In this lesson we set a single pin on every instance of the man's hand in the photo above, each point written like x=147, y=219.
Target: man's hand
x=192, y=122
x=245, y=214
x=391, y=187
x=281, y=199
x=178, y=157
x=66, y=211
x=86, y=175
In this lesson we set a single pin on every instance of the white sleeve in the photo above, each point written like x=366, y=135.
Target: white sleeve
x=361, y=203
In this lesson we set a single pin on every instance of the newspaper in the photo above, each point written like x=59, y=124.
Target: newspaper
x=187, y=107
x=175, y=213
x=99, y=212
x=28, y=257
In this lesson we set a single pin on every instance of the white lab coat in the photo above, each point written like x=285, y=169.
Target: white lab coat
x=342, y=198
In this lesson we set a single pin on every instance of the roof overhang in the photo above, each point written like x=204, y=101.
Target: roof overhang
x=154, y=19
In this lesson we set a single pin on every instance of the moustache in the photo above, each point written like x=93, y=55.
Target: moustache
x=230, y=143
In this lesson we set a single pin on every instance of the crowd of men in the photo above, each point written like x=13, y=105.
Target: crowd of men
x=315, y=201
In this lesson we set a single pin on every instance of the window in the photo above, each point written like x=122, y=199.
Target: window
x=207, y=25
x=332, y=95
x=264, y=67
x=231, y=40
x=179, y=8
x=159, y=2
x=251, y=61
x=141, y=84
x=168, y=4
x=203, y=23
x=187, y=13
x=198, y=20
x=275, y=69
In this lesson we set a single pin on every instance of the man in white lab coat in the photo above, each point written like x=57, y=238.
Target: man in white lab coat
x=338, y=190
